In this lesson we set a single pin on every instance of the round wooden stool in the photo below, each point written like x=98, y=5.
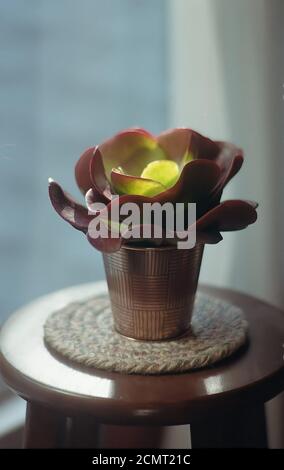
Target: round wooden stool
x=67, y=405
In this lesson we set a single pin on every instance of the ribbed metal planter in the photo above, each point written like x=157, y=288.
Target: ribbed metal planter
x=152, y=290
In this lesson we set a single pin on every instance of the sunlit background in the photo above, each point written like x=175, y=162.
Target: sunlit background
x=72, y=73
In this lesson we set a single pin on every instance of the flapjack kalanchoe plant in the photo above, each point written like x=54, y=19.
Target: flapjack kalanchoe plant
x=179, y=165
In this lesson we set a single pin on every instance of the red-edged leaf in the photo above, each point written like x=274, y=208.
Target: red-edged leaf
x=203, y=147
x=175, y=143
x=131, y=149
x=132, y=185
x=70, y=210
x=197, y=180
x=230, y=160
x=82, y=173
x=229, y=215
x=98, y=176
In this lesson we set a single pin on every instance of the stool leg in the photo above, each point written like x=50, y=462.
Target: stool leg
x=44, y=428
x=83, y=433
x=243, y=428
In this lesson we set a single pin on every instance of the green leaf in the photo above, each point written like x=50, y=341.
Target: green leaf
x=126, y=184
x=131, y=149
x=165, y=172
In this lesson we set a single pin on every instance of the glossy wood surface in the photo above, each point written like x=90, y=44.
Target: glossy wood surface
x=252, y=376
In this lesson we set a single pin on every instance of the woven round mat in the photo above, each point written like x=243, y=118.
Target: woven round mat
x=83, y=333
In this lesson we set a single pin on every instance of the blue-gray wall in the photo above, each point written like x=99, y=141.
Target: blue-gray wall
x=72, y=73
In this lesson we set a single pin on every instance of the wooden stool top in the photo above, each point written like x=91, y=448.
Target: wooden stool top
x=254, y=375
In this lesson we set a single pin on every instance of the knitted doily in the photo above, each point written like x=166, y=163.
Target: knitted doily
x=83, y=333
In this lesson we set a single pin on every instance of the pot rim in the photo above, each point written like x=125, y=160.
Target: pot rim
x=156, y=248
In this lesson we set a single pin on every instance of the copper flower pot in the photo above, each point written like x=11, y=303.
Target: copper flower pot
x=152, y=290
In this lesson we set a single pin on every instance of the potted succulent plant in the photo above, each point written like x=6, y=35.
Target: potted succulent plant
x=152, y=283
